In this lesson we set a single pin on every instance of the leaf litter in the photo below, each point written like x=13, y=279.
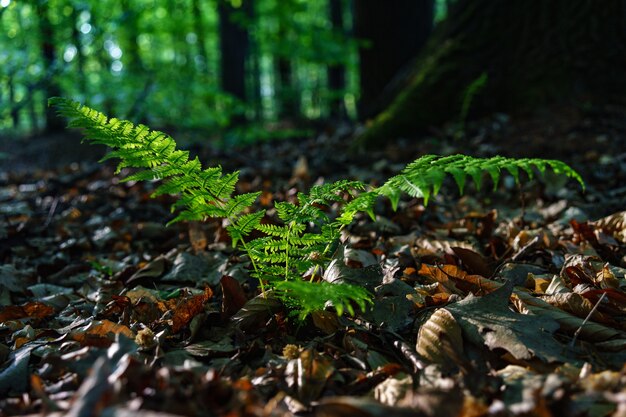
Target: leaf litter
x=483, y=305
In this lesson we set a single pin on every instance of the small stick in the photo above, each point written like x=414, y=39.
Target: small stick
x=595, y=307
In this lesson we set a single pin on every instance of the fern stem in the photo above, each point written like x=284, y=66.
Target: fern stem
x=253, y=262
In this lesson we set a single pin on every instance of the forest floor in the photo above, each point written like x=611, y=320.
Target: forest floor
x=508, y=302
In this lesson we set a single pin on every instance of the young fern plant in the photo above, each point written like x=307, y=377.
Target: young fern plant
x=289, y=256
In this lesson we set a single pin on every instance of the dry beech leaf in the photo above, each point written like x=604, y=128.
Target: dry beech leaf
x=458, y=281
x=568, y=323
x=152, y=269
x=488, y=320
x=188, y=308
x=614, y=225
x=197, y=237
x=440, y=339
x=100, y=333
x=233, y=296
x=605, y=278
x=307, y=375
x=474, y=261
x=360, y=407
x=256, y=311
x=575, y=304
x=32, y=310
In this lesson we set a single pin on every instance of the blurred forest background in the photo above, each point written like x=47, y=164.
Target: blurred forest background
x=256, y=69
x=209, y=64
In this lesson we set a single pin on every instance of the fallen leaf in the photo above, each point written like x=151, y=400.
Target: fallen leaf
x=233, y=296
x=187, y=308
x=488, y=320
x=307, y=375
x=32, y=310
x=440, y=339
x=100, y=333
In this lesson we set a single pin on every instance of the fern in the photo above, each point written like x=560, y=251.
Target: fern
x=307, y=232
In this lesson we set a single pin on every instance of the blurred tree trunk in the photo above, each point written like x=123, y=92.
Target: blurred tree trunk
x=256, y=95
x=50, y=63
x=535, y=54
x=15, y=112
x=80, y=53
x=130, y=27
x=234, y=47
x=337, y=72
x=200, y=30
x=288, y=94
x=395, y=33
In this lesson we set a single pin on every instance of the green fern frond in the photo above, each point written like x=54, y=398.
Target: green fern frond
x=424, y=177
x=308, y=233
x=306, y=297
x=203, y=193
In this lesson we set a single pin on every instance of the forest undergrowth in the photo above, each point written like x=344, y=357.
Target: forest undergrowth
x=495, y=303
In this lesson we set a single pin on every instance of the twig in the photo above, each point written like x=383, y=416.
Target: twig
x=595, y=307
x=525, y=249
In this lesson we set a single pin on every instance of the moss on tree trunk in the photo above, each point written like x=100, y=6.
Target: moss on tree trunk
x=535, y=53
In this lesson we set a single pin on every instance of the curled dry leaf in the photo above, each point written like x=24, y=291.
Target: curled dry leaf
x=577, y=305
x=614, y=225
x=568, y=323
x=189, y=308
x=307, y=375
x=100, y=333
x=233, y=296
x=256, y=311
x=31, y=310
x=440, y=339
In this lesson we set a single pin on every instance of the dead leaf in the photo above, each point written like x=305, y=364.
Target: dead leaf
x=488, y=320
x=308, y=374
x=475, y=262
x=33, y=310
x=187, y=308
x=100, y=333
x=614, y=225
x=197, y=237
x=256, y=311
x=233, y=296
x=440, y=339
x=152, y=269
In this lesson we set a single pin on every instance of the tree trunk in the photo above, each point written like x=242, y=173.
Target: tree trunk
x=15, y=113
x=337, y=72
x=534, y=53
x=394, y=33
x=49, y=57
x=80, y=54
x=198, y=26
x=286, y=91
x=234, y=44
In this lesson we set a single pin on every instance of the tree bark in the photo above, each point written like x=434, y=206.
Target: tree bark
x=49, y=57
x=394, y=33
x=234, y=44
x=534, y=53
x=337, y=72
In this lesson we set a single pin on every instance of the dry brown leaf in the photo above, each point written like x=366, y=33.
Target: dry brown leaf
x=575, y=304
x=569, y=323
x=307, y=375
x=100, y=333
x=440, y=340
x=187, y=309
x=458, y=281
x=197, y=237
x=33, y=310
x=614, y=225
